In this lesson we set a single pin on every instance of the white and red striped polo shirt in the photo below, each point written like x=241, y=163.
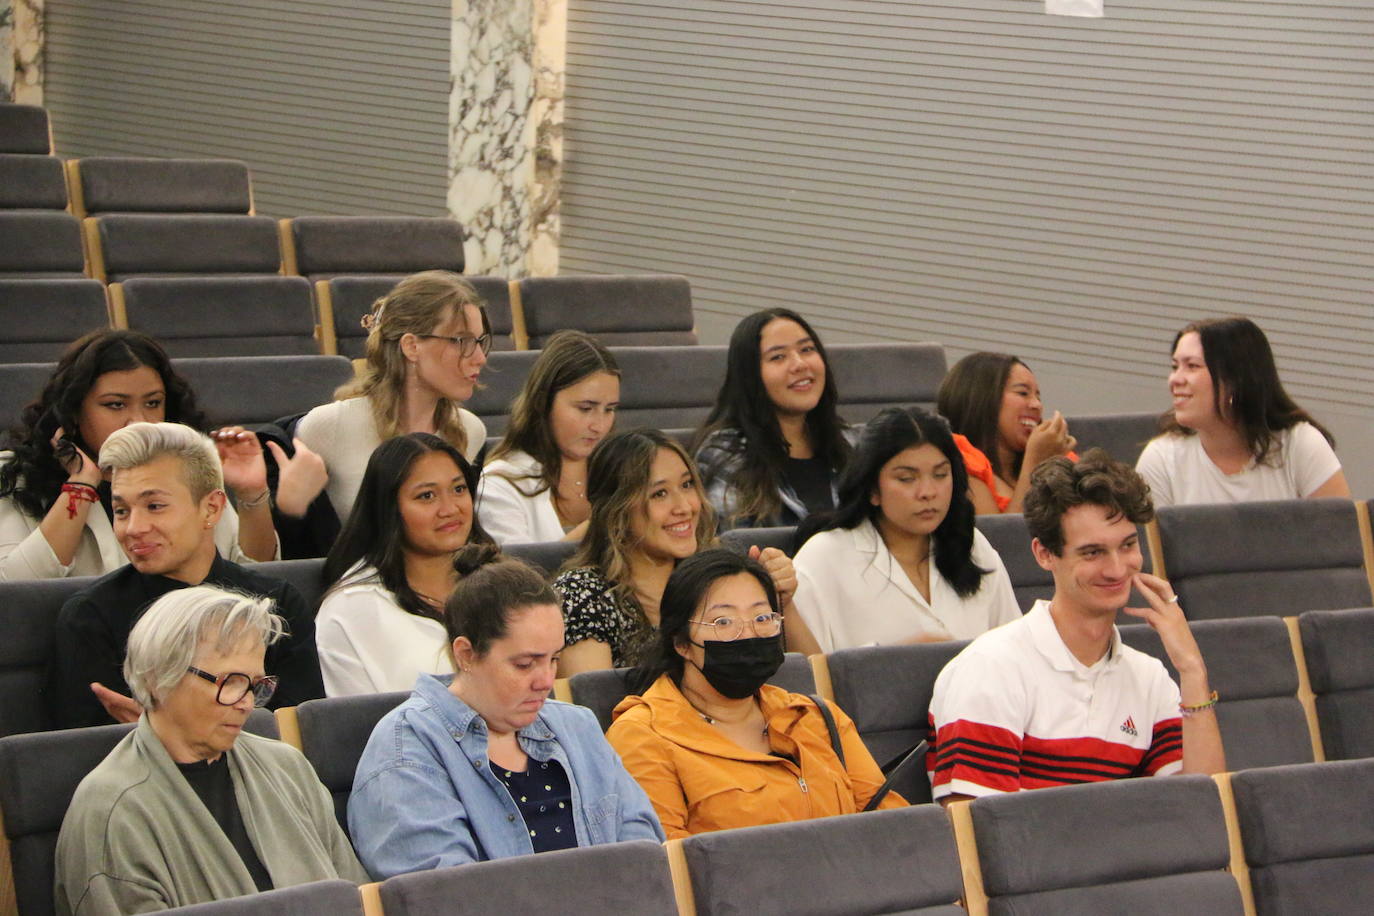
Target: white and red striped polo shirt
x=1016, y=710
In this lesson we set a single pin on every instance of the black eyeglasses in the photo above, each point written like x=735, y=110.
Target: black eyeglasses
x=466, y=344
x=234, y=686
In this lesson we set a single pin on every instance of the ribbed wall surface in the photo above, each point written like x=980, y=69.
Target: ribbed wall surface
x=338, y=108
x=990, y=177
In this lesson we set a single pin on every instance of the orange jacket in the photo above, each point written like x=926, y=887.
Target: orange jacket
x=699, y=780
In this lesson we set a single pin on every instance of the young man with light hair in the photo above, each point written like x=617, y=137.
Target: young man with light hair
x=1055, y=697
x=168, y=493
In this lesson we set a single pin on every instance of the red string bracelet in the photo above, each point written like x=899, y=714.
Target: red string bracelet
x=77, y=492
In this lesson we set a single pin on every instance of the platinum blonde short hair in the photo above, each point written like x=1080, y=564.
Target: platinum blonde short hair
x=181, y=624
x=139, y=443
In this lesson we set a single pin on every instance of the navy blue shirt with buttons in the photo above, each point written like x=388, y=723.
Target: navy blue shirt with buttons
x=544, y=797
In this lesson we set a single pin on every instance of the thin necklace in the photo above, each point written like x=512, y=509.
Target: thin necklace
x=709, y=721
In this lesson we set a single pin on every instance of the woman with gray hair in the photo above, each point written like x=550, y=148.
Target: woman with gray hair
x=188, y=808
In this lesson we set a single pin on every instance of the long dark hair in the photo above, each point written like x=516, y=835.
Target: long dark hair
x=375, y=531
x=970, y=398
x=692, y=578
x=34, y=477
x=743, y=404
x=1245, y=384
x=891, y=432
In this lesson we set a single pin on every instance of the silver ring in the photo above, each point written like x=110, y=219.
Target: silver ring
x=1173, y=600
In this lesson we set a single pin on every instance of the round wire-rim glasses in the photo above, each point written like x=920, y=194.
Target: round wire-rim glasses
x=728, y=628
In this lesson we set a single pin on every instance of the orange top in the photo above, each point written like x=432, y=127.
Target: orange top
x=980, y=467
x=699, y=780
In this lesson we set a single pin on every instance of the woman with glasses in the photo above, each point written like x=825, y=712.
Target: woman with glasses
x=189, y=808
x=712, y=744
x=427, y=342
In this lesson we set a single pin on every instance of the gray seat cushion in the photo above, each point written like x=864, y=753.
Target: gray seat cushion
x=32, y=182
x=1339, y=646
x=318, y=898
x=873, y=377
x=548, y=556
x=335, y=245
x=1122, y=435
x=41, y=317
x=113, y=184
x=224, y=316
x=353, y=297
x=259, y=389
x=630, y=311
x=305, y=575
x=40, y=244
x=24, y=129
x=334, y=732
x=20, y=385
x=28, y=618
x=142, y=244
x=670, y=387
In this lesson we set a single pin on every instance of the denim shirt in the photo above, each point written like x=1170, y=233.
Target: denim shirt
x=424, y=797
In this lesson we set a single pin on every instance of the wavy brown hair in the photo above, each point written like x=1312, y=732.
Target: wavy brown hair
x=1058, y=485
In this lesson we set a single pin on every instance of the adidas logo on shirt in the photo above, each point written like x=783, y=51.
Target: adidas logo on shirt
x=1129, y=726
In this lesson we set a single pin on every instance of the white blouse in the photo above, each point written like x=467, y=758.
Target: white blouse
x=510, y=511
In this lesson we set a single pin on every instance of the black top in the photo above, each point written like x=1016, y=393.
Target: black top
x=810, y=480
x=214, y=783
x=93, y=629
x=544, y=798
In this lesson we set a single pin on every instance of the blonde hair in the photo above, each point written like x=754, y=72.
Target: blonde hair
x=416, y=305
x=140, y=443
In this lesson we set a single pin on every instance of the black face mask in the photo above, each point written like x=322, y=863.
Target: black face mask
x=737, y=669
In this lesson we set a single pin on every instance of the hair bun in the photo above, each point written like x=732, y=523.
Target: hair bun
x=473, y=557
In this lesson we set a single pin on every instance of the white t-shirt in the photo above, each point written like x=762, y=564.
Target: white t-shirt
x=851, y=592
x=1179, y=472
x=507, y=510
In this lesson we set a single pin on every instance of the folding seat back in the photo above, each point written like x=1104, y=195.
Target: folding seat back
x=548, y=556
x=328, y=246
x=350, y=298
x=41, y=317
x=897, y=861
x=741, y=539
x=1250, y=664
x=318, y=898
x=623, y=878
x=1339, y=648
x=1308, y=836
x=119, y=184
x=125, y=245
x=1262, y=558
x=333, y=733
x=668, y=388
x=20, y=385
x=253, y=390
x=24, y=129
x=28, y=618
x=1122, y=435
x=220, y=316
x=32, y=183
x=872, y=377
x=622, y=311
x=886, y=690
x=306, y=575
x=1155, y=846
x=40, y=244
x=501, y=380
x=600, y=691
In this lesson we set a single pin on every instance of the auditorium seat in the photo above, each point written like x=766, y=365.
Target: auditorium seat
x=1264, y=558
x=40, y=245
x=624, y=879
x=24, y=129
x=668, y=388
x=32, y=183
x=348, y=299
x=252, y=390
x=886, y=690
x=900, y=861
x=28, y=618
x=874, y=376
x=1123, y=435
x=1250, y=665
x=601, y=690
x=219, y=316
x=332, y=734
x=122, y=184
x=502, y=378
x=41, y=317
x=1147, y=846
x=39, y=774
x=20, y=385
x=741, y=539
x=125, y=245
x=626, y=311
x=318, y=898
x=1339, y=648
x=1308, y=837
x=548, y=556
x=306, y=575
x=320, y=247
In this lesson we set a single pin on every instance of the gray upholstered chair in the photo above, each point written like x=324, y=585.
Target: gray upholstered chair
x=334, y=732
x=306, y=575
x=1308, y=836
x=125, y=245
x=873, y=376
x=741, y=539
x=601, y=690
x=220, y=316
x=348, y=299
x=41, y=317
x=1339, y=647
x=1149, y=846
x=40, y=244
x=1123, y=435
x=1262, y=558
x=670, y=387
x=886, y=690
x=32, y=182
x=1251, y=666
x=120, y=184
x=502, y=378
x=548, y=556
x=626, y=311
x=626, y=879
x=39, y=774
x=898, y=861
x=259, y=389
x=24, y=129
x=318, y=898
x=20, y=385
x=321, y=247
x=28, y=618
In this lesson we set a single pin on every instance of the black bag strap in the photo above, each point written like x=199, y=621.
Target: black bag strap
x=830, y=726
x=891, y=771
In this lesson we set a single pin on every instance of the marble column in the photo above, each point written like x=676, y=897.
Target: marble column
x=21, y=51
x=6, y=50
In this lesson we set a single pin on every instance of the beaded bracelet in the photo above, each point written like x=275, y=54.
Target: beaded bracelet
x=1186, y=711
x=76, y=492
